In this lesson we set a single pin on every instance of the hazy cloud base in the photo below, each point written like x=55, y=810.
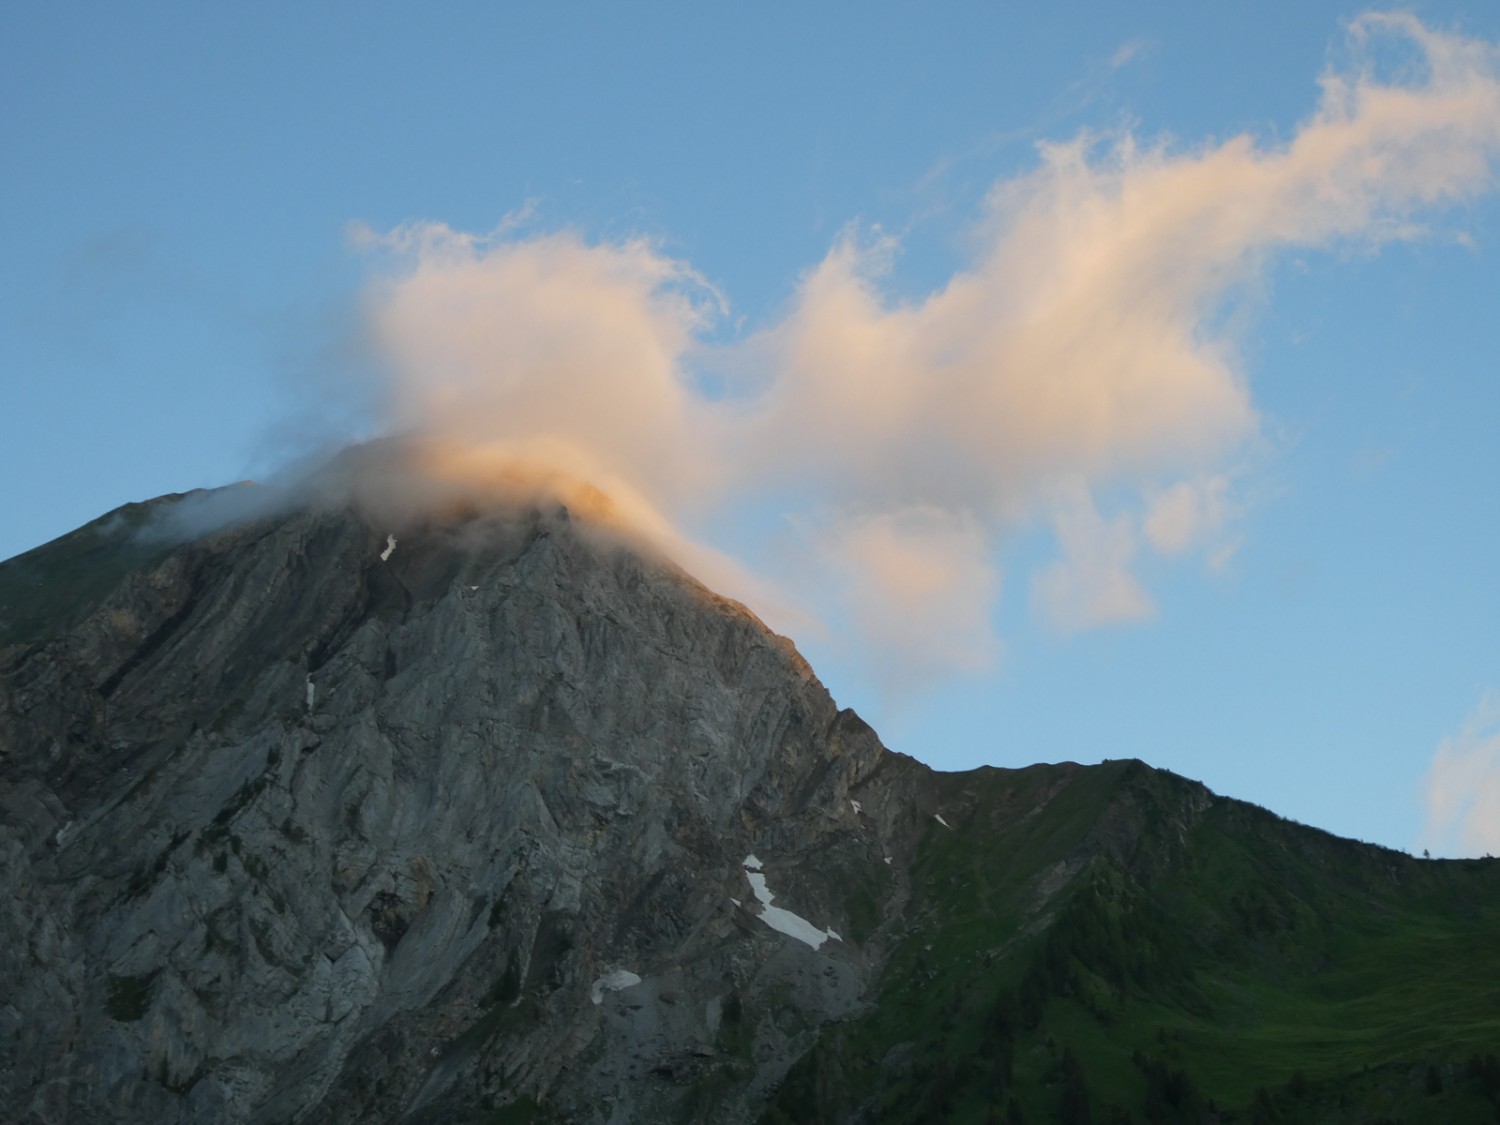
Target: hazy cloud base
x=1079, y=373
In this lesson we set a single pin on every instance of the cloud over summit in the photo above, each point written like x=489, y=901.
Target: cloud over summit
x=1077, y=373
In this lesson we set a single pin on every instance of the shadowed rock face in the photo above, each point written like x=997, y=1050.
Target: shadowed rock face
x=292, y=831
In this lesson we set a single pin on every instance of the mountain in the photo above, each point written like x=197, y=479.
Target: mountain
x=480, y=811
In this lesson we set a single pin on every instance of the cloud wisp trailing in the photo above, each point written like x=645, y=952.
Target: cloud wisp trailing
x=1463, y=786
x=1079, y=372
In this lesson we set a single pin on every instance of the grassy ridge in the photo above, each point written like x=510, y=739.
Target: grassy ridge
x=1138, y=950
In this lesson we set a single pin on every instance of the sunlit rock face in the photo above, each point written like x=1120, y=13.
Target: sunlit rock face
x=316, y=818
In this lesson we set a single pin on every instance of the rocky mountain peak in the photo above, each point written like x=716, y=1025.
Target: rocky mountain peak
x=313, y=798
x=416, y=797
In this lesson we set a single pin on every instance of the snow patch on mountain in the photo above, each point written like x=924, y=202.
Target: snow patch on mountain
x=613, y=981
x=778, y=918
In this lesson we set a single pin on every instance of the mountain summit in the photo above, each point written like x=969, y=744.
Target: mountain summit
x=478, y=812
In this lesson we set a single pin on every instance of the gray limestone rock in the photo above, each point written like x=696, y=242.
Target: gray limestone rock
x=299, y=826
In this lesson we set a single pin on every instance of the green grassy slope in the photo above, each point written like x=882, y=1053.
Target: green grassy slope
x=1138, y=950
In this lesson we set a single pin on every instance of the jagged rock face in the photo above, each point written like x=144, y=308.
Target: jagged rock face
x=298, y=827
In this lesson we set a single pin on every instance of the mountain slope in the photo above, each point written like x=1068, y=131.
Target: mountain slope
x=484, y=814
x=1120, y=938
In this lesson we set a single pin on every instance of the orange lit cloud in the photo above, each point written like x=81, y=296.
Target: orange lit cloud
x=568, y=352
x=1077, y=374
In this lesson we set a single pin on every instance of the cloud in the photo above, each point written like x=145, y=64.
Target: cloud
x=1128, y=52
x=1186, y=514
x=1091, y=584
x=1463, y=786
x=568, y=352
x=919, y=586
x=1080, y=373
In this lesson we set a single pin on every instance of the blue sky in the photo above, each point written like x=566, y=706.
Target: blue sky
x=829, y=220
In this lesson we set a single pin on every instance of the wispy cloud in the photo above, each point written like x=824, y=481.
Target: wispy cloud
x=1128, y=52
x=1187, y=514
x=1091, y=584
x=1079, y=373
x=918, y=585
x=1463, y=786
